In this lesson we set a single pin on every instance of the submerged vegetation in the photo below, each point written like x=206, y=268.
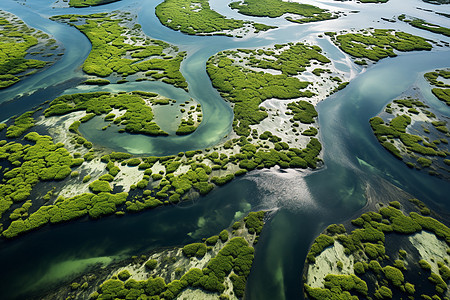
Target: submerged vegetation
x=372, y=270
x=122, y=49
x=17, y=40
x=303, y=13
x=196, y=17
x=167, y=274
x=377, y=44
x=428, y=150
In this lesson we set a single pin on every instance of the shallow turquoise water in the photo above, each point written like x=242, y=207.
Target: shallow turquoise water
x=306, y=203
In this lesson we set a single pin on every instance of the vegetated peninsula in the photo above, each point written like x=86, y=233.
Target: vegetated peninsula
x=195, y=17
x=87, y=3
x=393, y=253
x=422, y=24
x=23, y=50
x=85, y=180
x=441, y=90
x=376, y=44
x=415, y=135
x=296, y=12
x=216, y=268
x=120, y=49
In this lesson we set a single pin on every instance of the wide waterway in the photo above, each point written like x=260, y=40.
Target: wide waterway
x=306, y=202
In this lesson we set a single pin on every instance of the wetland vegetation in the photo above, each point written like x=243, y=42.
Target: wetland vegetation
x=196, y=17
x=414, y=134
x=441, y=89
x=121, y=48
x=17, y=41
x=369, y=266
x=303, y=13
x=215, y=267
x=376, y=44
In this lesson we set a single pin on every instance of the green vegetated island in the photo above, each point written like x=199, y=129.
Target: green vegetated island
x=195, y=17
x=415, y=135
x=120, y=49
x=422, y=24
x=397, y=252
x=70, y=178
x=216, y=268
x=298, y=13
x=23, y=50
x=376, y=44
x=87, y=3
x=440, y=89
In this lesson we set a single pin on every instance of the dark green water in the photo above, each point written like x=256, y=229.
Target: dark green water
x=305, y=202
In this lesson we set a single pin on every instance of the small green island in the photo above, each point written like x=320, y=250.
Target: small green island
x=87, y=3
x=376, y=44
x=440, y=89
x=414, y=135
x=121, y=49
x=18, y=43
x=396, y=252
x=215, y=268
x=422, y=24
x=195, y=17
x=298, y=13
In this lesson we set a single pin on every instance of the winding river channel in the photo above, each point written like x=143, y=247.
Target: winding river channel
x=305, y=202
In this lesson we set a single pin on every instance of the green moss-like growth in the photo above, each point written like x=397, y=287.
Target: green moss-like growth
x=21, y=124
x=196, y=17
x=338, y=287
x=303, y=13
x=195, y=249
x=254, y=222
x=106, y=33
x=124, y=275
x=422, y=24
x=16, y=39
x=378, y=43
x=151, y=264
x=86, y=3
x=138, y=117
x=247, y=88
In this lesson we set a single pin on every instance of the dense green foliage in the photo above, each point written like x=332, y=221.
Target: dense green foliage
x=86, y=3
x=378, y=43
x=16, y=39
x=233, y=260
x=21, y=124
x=196, y=17
x=370, y=237
x=277, y=8
x=422, y=24
x=138, y=117
x=247, y=89
x=41, y=160
x=109, y=49
x=254, y=222
x=417, y=151
x=432, y=77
